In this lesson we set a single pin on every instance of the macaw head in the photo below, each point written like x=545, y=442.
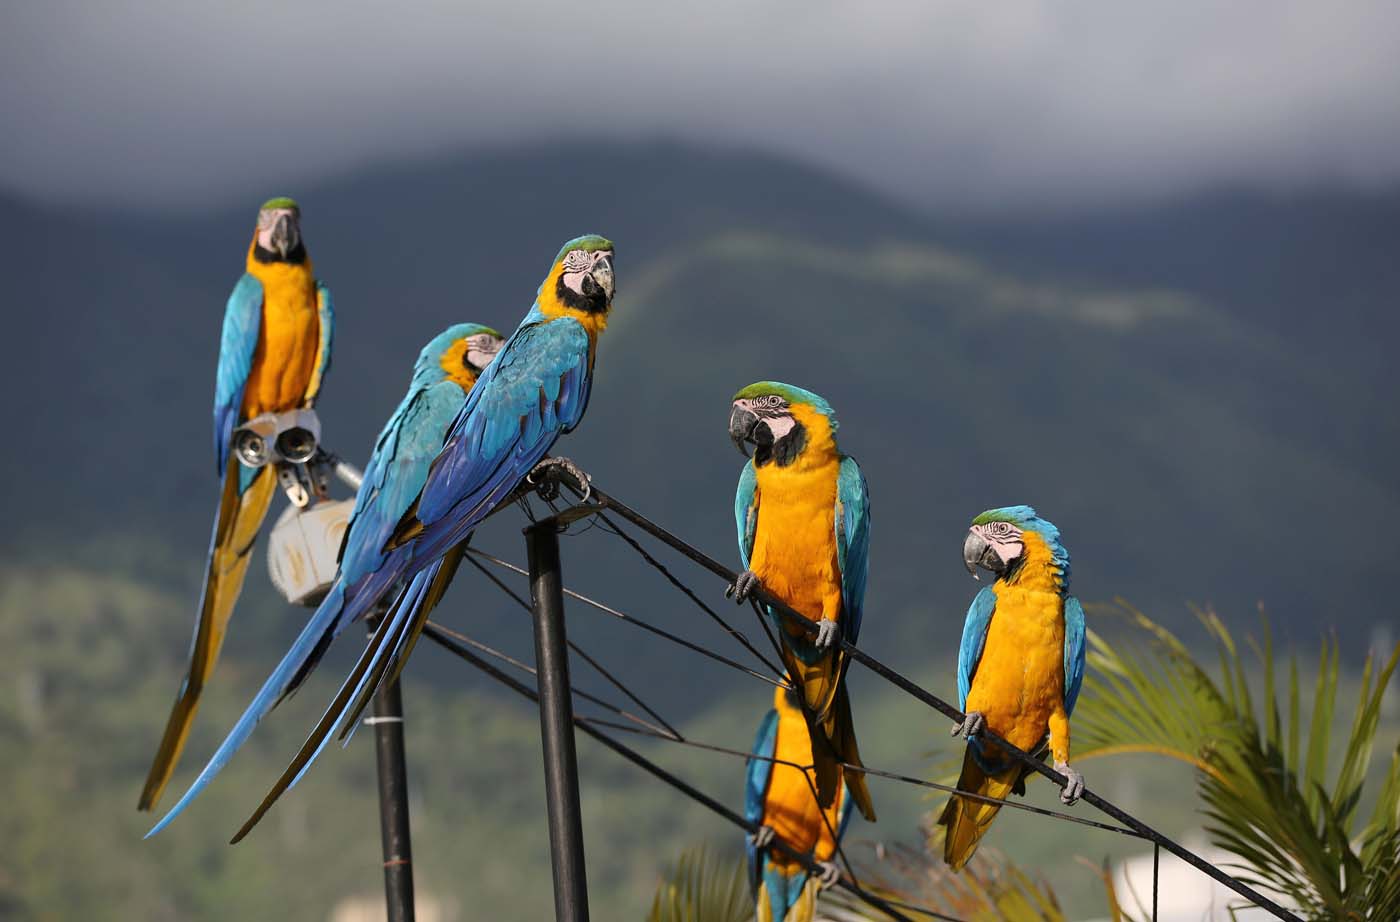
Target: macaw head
x=459, y=353
x=780, y=421
x=278, y=237
x=1007, y=540
x=582, y=277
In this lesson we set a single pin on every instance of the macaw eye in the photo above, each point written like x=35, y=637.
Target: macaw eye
x=1001, y=529
x=773, y=401
x=576, y=261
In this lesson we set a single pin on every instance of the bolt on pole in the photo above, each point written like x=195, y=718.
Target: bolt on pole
x=557, y=724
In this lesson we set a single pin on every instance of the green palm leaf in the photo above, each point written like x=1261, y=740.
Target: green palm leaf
x=1265, y=792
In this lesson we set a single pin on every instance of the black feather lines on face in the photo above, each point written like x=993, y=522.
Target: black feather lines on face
x=295, y=258
x=593, y=300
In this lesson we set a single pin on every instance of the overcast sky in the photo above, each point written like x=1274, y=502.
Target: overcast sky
x=977, y=104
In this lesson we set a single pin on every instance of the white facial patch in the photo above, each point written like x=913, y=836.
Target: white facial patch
x=482, y=348
x=577, y=264
x=1003, y=538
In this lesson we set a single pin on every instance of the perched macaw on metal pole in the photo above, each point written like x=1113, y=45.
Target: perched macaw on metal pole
x=803, y=514
x=273, y=358
x=1020, y=666
x=445, y=372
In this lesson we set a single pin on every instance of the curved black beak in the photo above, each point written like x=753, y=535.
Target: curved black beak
x=603, y=275
x=978, y=553
x=285, y=236
x=742, y=423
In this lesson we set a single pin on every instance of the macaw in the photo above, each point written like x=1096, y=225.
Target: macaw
x=536, y=390
x=781, y=797
x=273, y=357
x=1020, y=666
x=445, y=372
x=803, y=514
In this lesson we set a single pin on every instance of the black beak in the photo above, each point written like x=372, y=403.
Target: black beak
x=742, y=423
x=978, y=553
x=603, y=276
x=284, y=236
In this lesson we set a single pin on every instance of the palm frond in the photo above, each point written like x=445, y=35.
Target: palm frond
x=1265, y=790
x=703, y=888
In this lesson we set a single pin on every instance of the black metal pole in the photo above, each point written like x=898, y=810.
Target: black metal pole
x=557, y=724
x=387, y=721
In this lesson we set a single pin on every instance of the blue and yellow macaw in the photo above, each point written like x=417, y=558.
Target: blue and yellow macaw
x=803, y=514
x=781, y=797
x=273, y=357
x=1019, y=667
x=536, y=390
x=446, y=371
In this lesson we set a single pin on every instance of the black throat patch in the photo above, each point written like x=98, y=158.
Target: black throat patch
x=295, y=258
x=593, y=300
x=784, y=451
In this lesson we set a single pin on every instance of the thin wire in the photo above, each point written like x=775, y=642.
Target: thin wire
x=633, y=619
x=433, y=633
x=613, y=680
x=1156, y=853
x=651, y=728
x=690, y=593
x=892, y=776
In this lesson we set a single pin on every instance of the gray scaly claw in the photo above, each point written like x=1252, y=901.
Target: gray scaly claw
x=1074, y=783
x=742, y=586
x=545, y=478
x=827, y=632
x=829, y=876
x=763, y=838
x=972, y=724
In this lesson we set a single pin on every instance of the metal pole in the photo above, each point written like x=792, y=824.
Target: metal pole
x=557, y=724
x=393, y=803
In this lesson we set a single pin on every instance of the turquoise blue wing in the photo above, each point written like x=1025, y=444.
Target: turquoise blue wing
x=974, y=638
x=395, y=473
x=242, y=319
x=756, y=775
x=325, y=311
x=746, y=511
x=852, y=543
x=1074, y=651
x=536, y=390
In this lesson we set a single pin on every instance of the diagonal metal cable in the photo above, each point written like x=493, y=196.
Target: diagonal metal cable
x=633, y=620
x=434, y=633
x=732, y=631
x=651, y=729
x=613, y=680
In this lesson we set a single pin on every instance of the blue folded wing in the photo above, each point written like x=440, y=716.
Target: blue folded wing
x=852, y=542
x=237, y=345
x=395, y=473
x=1074, y=651
x=974, y=638
x=536, y=389
x=757, y=772
x=746, y=511
x=325, y=310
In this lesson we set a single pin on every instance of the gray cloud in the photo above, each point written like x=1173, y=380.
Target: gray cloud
x=978, y=105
